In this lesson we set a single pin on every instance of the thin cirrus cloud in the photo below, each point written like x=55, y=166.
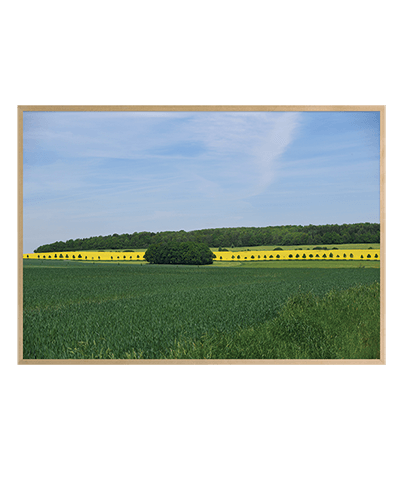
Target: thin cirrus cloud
x=239, y=152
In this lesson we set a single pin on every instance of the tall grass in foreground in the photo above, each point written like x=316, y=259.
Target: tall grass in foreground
x=340, y=325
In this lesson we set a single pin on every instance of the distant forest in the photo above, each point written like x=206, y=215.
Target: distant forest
x=229, y=237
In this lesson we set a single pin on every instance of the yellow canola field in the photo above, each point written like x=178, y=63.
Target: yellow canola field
x=314, y=254
x=90, y=255
x=298, y=254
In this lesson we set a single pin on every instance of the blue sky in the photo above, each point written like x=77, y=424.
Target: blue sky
x=99, y=173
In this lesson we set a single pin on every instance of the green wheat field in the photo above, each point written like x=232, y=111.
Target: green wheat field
x=85, y=310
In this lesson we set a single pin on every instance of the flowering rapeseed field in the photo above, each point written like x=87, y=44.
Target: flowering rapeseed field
x=300, y=254
x=89, y=255
x=359, y=254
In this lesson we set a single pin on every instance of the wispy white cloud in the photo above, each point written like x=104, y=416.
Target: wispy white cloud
x=243, y=149
x=274, y=144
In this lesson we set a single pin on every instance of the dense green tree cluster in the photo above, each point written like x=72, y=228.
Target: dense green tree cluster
x=186, y=252
x=235, y=237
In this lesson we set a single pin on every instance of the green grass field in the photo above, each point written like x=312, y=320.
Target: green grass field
x=86, y=310
x=303, y=263
x=306, y=246
x=260, y=248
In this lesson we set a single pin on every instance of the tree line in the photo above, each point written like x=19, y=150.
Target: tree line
x=229, y=237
